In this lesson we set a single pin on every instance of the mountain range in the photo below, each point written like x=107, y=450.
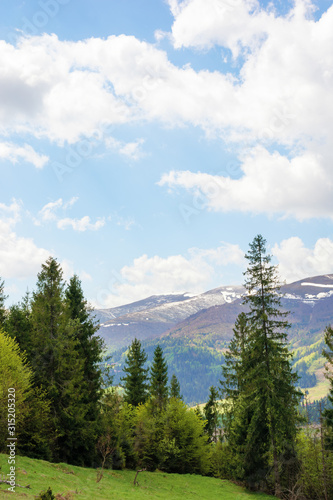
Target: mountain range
x=198, y=326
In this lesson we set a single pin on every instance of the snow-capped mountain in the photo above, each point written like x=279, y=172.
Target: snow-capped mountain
x=153, y=316
x=310, y=300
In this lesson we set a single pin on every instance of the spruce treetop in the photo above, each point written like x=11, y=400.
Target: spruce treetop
x=159, y=377
x=135, y=379
x=175, y=387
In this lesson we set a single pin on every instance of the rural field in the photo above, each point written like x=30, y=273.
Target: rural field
x=70, y=483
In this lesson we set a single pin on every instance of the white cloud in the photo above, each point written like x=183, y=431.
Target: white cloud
x=271, y=183
x=19, y=256
x=14, y=153
x=80, y=225
x=48, y=214
x=231, y=24
x=297, y=262
x=282, y=95
x=10, y=214
x=131, y=150
x=174, y=274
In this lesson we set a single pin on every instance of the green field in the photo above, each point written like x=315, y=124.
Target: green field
x=71, y=483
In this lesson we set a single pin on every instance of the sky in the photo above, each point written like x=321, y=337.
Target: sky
x=145, y=143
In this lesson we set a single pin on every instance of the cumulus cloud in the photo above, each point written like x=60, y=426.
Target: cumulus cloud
x=280, y=98
x=131, y=150
x=296, y=261
x=80, y=225
x=156, y=275
x=231, y=24
x=14, y=154
x=49, y=214
x=270, y=182
x=19, y=256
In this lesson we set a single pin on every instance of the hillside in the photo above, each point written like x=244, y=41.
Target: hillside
x=195, y=331
x=69, y=483
x=155, y=315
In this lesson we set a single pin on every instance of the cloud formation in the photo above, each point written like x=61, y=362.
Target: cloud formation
x=19, y=256
x=277, y=106
x=80, y=225
x=296, y=261
x=49, y=214
x=15, y=153
x=270, y=182
x=157, y=275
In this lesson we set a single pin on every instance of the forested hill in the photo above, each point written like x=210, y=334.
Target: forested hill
x=194, y=346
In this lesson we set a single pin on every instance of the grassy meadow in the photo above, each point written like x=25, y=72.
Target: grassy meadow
x=70, y=483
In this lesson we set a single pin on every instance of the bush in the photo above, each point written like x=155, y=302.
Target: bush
x=46, y=495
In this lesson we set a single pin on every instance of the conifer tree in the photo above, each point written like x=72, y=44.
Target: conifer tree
x=175, y=388
x=19, y=325
x=135, y=381
x=211, y=413
x=265, y=409
x=57, y=366
x=159, y=378
x=328, y=412
x=274, y=395
x=235, y=358
x=90, y=350
x=90, y=346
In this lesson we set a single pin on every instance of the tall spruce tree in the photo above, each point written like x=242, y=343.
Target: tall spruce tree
x=135, y=381
x=328, y=412
x=211, y=413
x=159, y=378
x=264, y=409
x=90, y=346
x=234, y=368
x=175, y=388
x=57, y=365
x=90, y=349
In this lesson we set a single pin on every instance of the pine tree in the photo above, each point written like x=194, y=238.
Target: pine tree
x=211, y=414
x=328, y=413
x=159, y=378
x=135, y=380
x=175, y=388
x=265, y=408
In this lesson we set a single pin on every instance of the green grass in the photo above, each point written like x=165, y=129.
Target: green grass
x=117, y=485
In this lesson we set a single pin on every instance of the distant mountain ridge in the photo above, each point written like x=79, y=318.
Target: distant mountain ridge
x=216, y=309
x=155, y=315
x=194, y=331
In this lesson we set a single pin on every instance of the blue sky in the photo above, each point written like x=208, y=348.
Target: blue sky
x=144, y=143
